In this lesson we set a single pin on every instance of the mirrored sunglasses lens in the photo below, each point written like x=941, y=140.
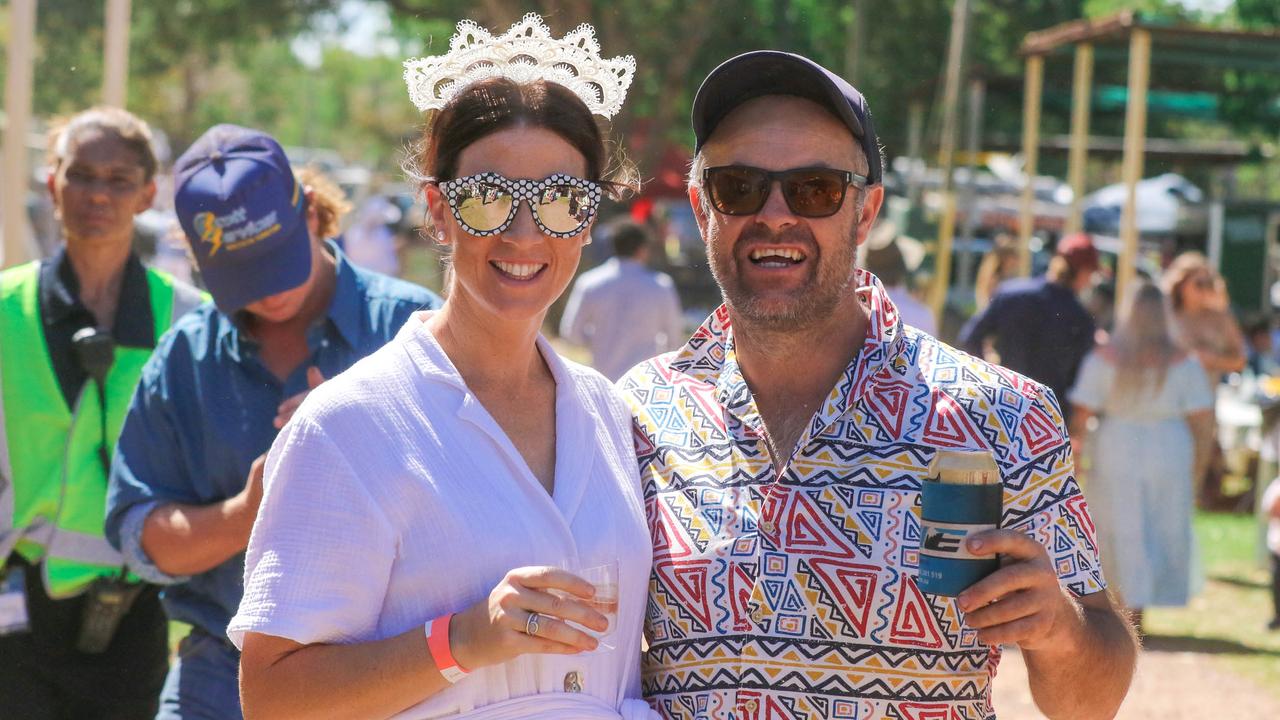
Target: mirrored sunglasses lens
x=483, y=207
x=738, y=191
x=814, y=193
x=564, y=208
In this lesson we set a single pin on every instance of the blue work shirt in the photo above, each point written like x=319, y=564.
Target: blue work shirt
x=203, y=413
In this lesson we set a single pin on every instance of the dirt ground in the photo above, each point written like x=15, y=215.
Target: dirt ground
x=1171, y=683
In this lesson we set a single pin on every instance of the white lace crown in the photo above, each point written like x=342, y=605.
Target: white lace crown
x=525, y=53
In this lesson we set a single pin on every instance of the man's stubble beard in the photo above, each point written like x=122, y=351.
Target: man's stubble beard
x=831, y=278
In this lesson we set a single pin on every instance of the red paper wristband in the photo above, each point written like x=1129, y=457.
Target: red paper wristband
x=437, y=632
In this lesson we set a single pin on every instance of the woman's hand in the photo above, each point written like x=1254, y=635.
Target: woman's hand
x=493, y=630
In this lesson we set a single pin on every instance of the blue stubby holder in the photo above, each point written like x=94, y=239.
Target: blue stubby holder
x=949, y=514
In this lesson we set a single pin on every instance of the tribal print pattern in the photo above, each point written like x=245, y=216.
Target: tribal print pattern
x=797, y=599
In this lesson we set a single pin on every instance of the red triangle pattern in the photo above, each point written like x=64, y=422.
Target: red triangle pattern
x=913, y=624
x=928, y=711
x=852, y=585
x=949, y=425
x=890, y=404
x=668, y=534
x=1039, y=431
x=1079, y=510
x=1026, y=386
x=688, y=582
x=644, y=446
x=753, y=705
x=740, y=584
x=809, y=531
x=704, y=398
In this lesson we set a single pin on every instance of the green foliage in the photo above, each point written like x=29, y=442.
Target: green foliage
x=196, y=62
x=173, y=43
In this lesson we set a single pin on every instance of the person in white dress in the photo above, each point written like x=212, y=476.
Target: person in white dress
x=1154, y=411
x=429, y=516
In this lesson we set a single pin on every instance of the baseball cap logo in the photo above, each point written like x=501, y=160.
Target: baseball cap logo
x=206, y=224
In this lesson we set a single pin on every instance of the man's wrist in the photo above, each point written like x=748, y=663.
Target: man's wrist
x=1066, y=637
x=239, y=512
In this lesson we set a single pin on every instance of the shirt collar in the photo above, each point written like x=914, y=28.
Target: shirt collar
x=134, y=323
x=349, y=297
x=710, y=354
x=349, y=301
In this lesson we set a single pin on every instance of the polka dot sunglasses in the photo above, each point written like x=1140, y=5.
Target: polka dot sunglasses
x=486, y=204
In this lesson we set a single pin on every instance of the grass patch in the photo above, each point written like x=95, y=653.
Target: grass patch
x=1228, y=619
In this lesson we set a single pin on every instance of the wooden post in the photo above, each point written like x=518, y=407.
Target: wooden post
x=1077, y=160
x=1033, y=86
x=946, y=156
x=1135, y=139
x=973, y=143
x=915, y=151
x=17, y=107
x=115, y=77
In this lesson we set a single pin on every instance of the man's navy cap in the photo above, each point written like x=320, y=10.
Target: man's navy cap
x=244, y=215
x=772, y=72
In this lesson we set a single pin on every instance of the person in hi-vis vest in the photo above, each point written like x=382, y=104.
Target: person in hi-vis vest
x=79, y=635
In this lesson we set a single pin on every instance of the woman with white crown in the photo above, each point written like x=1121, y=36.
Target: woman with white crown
x=448, y=527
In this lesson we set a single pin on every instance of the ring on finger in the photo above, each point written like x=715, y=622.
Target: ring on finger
x=531, y=623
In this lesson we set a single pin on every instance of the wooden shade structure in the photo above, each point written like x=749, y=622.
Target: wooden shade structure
x=1142, y=40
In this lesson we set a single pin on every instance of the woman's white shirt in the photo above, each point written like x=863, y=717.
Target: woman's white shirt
x=393, y=497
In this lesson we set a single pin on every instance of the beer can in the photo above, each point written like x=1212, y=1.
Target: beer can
x=963, y=496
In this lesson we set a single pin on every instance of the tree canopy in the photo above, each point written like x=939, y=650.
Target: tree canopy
x=197, y=62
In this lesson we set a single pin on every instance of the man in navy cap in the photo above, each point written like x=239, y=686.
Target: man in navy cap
x=288, y=311
x=783, y=449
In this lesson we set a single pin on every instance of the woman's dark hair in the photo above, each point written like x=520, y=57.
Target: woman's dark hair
x=129, y=128
x=496, y=104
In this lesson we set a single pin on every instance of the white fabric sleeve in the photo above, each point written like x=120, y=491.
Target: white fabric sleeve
x=1091, y=388
x=321, y=551
x=1193, y=385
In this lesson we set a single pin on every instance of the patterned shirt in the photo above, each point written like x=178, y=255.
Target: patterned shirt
x=797, y=598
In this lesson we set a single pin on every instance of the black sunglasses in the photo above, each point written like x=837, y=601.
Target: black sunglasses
x=812, y=192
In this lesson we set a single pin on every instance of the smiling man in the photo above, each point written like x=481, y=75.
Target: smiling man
x=288, y=311
x=782, y=452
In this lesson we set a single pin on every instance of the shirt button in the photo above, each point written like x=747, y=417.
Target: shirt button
x=767, y=527
x=752, y=706
x=757, y=615
x=573, y=681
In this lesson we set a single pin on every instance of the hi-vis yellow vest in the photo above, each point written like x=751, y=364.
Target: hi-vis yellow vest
x=52, y=485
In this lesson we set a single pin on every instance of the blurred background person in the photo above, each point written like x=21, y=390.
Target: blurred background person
x=1000, y=263
x=1204, y=324
x=1259, y=348
x=75, y=331
x=1038, y=326
x=1271, y=511
x=887, y=261
x=371, y=240
x=1154, y=411
x=1202, y=315
x=622, y=311
x=1100, y=301
x=288, y=311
